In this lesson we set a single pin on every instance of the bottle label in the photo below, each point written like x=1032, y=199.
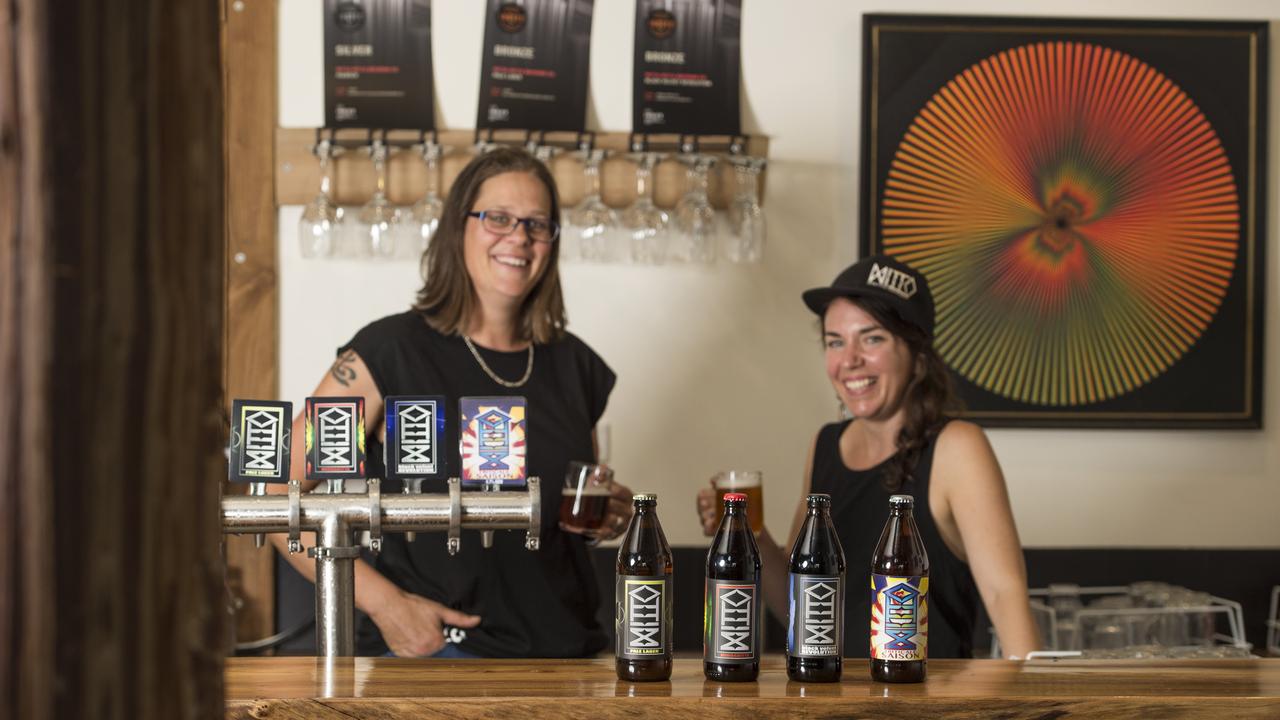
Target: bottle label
x=816, y=628
x=731, y=622
x=899, y=617
x=643, y=616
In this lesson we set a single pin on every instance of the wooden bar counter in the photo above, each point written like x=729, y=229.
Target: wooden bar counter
x=394, y=688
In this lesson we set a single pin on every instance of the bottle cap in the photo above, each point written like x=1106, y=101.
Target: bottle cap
x=902, y=500
x=645, y=497
x=735, y=497
x=819, y=499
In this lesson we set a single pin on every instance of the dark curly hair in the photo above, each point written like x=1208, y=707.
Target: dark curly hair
x=928, y=400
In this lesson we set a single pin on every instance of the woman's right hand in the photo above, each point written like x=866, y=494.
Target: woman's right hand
x=707, y=510
x=413, y=626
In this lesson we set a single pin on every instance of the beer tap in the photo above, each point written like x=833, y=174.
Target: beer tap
x=334, y=429
x=412, y=486
x=337, y=518
x=258, y=489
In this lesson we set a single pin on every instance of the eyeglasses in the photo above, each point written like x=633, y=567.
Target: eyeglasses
x=504, y=223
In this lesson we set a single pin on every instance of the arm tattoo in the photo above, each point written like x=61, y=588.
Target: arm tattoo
x=342, y=370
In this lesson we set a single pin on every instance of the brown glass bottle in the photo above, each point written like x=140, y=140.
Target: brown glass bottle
x=732, y=619
x=643, y=611
x=815, y=627
x=899, y=598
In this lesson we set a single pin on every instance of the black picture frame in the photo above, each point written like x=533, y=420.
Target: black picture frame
x=1097, y=256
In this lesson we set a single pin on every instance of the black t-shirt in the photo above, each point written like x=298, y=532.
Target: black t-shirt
x=533, y=603
x=859, y=509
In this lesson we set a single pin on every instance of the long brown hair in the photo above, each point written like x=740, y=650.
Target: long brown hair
x=448, y=298
x=928, y=400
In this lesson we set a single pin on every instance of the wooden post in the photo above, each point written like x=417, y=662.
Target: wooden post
x=253, y=297
x=112, y=601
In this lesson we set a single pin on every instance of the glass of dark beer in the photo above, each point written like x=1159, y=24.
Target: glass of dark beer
x=585, y=496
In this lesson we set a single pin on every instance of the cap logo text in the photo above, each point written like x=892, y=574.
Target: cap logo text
x=893, y=280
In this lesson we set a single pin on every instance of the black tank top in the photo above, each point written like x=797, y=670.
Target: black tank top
x=534, y=604
x=859, y=509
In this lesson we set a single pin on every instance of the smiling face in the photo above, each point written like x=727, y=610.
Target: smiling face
x=504, y=268
x=869, y=367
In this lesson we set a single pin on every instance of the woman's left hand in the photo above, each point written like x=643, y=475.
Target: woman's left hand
x=617, y=516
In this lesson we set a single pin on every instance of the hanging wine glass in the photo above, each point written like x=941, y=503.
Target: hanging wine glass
x=567, y=243
x=424, y=216
x=745, y=241
x=376, y=223
x=646, y=224
x=695, y=219
x=321, y=217
x=592, y=222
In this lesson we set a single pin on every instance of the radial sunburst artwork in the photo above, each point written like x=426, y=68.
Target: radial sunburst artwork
x=1076, y=216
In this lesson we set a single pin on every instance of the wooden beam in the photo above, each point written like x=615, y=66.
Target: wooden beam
x=298, y=173
x=249, y=65
x=28, y=666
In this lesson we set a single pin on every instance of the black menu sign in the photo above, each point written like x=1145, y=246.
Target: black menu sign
x=534, y=69
x=687, y=67
x=377, y=64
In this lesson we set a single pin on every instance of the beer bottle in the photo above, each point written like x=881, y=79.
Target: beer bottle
x=899, y=598
x=815, y=628
x=643, y=610
x=732, y=601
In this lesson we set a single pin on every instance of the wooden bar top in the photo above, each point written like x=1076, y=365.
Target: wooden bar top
x=392, y=688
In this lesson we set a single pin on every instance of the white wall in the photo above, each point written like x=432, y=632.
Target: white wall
x=721, y=366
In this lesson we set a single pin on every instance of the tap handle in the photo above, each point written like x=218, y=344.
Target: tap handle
x=295, y=516
x=454, y=543
x=374, y=486
x=411, y=486
x=258, y=489
x=532, y=537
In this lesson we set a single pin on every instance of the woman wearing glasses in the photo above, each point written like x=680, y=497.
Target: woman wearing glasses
x=489, y=320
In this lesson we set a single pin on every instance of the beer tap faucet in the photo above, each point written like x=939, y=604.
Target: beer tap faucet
x=337, y=517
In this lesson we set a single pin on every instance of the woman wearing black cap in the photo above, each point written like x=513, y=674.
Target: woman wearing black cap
x=877, y=328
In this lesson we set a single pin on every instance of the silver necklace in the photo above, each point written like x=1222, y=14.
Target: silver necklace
x=494, y=376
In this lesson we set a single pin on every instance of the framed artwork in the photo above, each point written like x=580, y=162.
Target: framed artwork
x=1087, y=201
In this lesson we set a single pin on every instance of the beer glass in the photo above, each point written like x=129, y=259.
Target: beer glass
x=591, y=222
x=377, y=223
x=745, y=241
x=585, y=496
x=321, y=216
x=425, y=214
x=645, y=222
x=694, y=219
x=747, y=482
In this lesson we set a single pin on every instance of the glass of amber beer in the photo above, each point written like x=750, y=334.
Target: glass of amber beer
x=747, y=482
x=585, y=496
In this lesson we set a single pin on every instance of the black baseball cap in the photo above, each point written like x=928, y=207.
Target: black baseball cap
x=887, y=279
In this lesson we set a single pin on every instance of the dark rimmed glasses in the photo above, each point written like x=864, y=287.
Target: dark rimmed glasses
x=504, y=223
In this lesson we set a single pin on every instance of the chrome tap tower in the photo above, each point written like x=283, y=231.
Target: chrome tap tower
x=337, y=518
x=260, y=453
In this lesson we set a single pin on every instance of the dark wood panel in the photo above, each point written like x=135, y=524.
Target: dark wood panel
x=27, y=618
x=113, y=262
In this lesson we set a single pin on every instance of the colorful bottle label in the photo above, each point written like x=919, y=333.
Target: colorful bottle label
x=643, y=616
x=899, y=617
x=731, y=622
x=816, y=627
